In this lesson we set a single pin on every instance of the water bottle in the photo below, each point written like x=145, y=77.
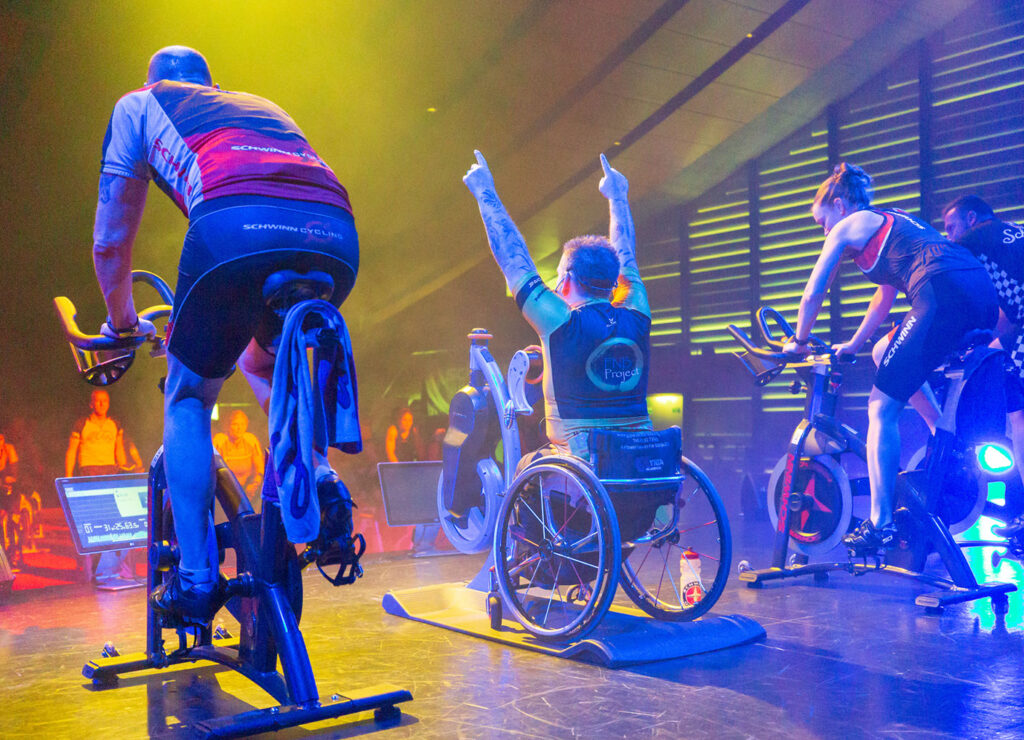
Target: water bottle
x=689, y=578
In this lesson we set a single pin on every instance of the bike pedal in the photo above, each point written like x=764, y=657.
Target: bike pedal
x=347, y=560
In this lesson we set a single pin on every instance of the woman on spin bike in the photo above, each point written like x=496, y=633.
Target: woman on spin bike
x=950, y=295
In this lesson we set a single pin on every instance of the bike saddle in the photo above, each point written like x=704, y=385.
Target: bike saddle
x=284, y=288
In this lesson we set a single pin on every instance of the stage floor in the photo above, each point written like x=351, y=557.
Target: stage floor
x=850, y=658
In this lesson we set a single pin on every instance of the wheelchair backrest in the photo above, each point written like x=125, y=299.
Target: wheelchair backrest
x=981, y=402
x=643, y=455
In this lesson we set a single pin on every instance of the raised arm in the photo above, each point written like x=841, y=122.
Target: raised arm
x=615, y=187
x=507, y=244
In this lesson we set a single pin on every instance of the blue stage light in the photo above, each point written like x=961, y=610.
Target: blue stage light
x=994, y=458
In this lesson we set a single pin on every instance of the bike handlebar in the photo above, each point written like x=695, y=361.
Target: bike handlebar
x=763, y=314
x=755, y=357
x=67, y=314
x=102, y=360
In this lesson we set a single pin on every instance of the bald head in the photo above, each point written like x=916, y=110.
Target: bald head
x=179, y=64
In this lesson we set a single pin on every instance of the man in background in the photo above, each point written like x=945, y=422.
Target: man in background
x=999, y=246
x=242, y=452
x=96, y=447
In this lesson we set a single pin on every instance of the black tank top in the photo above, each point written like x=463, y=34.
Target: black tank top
x=405, y=449
x=905, y=252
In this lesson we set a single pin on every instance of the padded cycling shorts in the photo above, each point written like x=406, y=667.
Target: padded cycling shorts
x=947, y=306
x=233, y=244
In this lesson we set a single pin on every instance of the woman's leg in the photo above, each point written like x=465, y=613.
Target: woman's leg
x=883, y=454
x=923, y=401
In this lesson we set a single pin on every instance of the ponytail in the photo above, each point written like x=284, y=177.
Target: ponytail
x=849, y=182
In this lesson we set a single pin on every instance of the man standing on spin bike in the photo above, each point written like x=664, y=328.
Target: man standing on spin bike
x=594, y=328
x=258, y=200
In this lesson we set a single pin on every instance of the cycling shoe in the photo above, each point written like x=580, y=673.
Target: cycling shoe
x=194, y=605
x=867, y=538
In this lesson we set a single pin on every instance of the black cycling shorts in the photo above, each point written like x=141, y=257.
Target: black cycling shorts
x=946, y=308
x=1014, y=392
x=233, y=244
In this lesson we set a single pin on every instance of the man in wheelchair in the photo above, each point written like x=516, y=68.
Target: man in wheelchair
x=594, y=327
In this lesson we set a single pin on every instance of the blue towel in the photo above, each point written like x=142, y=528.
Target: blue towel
x=307, y=416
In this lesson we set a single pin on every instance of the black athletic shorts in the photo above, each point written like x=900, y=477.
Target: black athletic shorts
x=946, y=308
x=233, y=244
x=1014, y=392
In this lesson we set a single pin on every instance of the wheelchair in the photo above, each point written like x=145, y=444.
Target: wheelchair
x=566, y=532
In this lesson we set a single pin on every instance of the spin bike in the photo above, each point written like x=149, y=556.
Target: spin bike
x=565, y=532
x=811, y=494
x=266, y=594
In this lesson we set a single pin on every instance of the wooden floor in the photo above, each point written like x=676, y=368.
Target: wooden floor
x=850, y=658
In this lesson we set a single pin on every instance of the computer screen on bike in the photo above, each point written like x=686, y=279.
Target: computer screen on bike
x=105, y=512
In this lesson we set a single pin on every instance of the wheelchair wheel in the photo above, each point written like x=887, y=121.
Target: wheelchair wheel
x=827, y=503
x=556, y=549
x=677, y=570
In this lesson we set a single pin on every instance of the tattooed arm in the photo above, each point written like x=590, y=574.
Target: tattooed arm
x=615, y=187
x=507, y=244
x=118, y=213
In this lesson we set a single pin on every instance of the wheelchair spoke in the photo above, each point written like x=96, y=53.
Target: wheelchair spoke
x=525, y=505
x=553, y=592
x=679, y=598
x=545, y=512
x=708, y=557
x=586, y=539
x=646, y=554
x=520, y=537
x=519, y=567
x=574, y=560
x=529, y=585
x=569, y=518
x=713, y=522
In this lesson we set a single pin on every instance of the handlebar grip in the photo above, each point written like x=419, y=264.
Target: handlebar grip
x=67, y=314
x=742, y=338
x=763, y=314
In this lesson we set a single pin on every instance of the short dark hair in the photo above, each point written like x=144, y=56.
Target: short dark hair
x=849, y=182
x=593, y=263
x=970, y=202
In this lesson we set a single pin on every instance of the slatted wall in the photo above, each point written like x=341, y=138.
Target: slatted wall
x=788, y=240
x=945, y=119
x=977, y=73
